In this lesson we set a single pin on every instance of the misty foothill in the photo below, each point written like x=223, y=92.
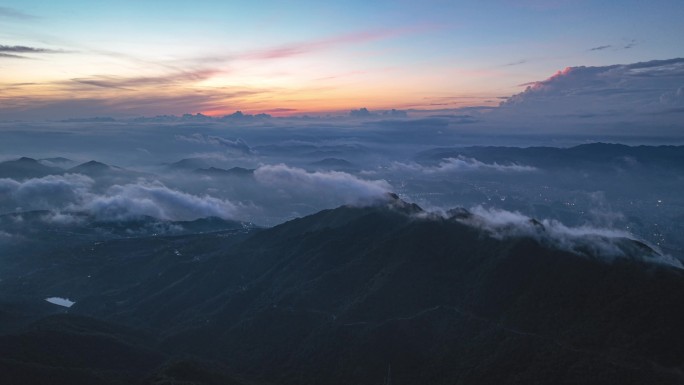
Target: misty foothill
x=190, y=212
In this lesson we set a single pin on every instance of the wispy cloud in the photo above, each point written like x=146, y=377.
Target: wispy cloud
x=97, y=101
x=585, y=240
x=238, y=145
x=12, y=56
x=25, y=49
x=515, y=63
x=600, y=48
x=626, y=44
x=630, y=44
x=287, y=50
x=11, y=13
x=340, y=185
x=128, y=83
x=75, y=192
x=460, y=164
x=301, y=48
x=279, y=110
x=13, y=51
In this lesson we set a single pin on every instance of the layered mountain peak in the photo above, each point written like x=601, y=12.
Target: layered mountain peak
x=398, y=204
x=350, y=289
x=25, y=168
x=91, y=166
x=459, y=213
x=26, y=160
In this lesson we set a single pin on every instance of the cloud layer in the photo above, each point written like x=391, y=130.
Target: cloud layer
x=74, y=192
x=279, y=188
x=238, y=145
x=53, y=191
x=340, y=185
x=460, y=163
x=156, y=200
x=584, y=240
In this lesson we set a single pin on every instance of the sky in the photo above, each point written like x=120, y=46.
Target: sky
x=145, y=58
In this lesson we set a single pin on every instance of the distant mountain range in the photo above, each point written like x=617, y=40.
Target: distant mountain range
x=349, y=295
x=605, y=154
x=92, y=167
x=189, y=164
x=23, y=168
x=594, y=155
x=200, y=166
x=220, y=172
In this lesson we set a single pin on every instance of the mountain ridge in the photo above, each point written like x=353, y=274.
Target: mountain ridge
x=337, y=296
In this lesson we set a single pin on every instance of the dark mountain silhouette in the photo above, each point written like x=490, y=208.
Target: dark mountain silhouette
x=66, y=349
x=25, y=168
x=220, y=172
x=97, y=170
x=340, y=296
x=92, y=167
x=189, y=164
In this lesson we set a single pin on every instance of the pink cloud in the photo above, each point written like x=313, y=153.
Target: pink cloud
x=322, y=44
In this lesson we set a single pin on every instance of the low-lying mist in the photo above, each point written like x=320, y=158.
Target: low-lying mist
x=267, y=171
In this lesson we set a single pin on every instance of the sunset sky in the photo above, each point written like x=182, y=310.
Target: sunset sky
x=61, y=59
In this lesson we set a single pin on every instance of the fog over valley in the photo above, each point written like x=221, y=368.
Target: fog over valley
x=267, y=170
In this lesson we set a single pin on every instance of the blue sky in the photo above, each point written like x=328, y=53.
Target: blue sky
x=308, y=56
